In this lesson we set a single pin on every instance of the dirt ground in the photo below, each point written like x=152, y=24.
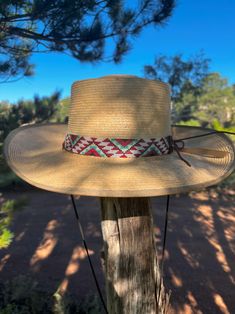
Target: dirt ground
x=200, y=254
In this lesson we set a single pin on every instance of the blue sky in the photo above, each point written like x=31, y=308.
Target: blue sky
x=195, y=25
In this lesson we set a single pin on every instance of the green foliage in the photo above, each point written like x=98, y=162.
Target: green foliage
x=183, y=75
x=7, y=177
x=6, y=237
x=7, y=210
x=90, y=304
x=216, y=102
x=82, y=29
x=218, y=126
x=22, y=295
x=228, y=183
x=189, y=123
x=63, y=110
x=199, y=98
x=213, y=107
x=38, y=110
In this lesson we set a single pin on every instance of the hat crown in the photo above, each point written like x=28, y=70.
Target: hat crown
x=120, y=106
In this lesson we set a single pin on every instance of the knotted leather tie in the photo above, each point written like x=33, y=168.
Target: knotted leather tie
x=179, y=147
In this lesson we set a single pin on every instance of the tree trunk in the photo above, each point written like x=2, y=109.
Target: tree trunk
x=131, y=269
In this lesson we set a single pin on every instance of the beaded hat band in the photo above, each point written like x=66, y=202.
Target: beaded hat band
x=122, y=117
x=119, y=148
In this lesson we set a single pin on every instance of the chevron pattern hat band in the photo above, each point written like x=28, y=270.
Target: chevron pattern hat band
x=119, y=148
x=119, y=118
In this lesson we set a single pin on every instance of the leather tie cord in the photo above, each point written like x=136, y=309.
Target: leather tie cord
x=88, y=255
x=164, y=245
x=205, y=134
x=177, y=148
x=89, y=258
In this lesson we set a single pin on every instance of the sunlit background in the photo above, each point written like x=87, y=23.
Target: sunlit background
x=39, y=241
x=195, y=25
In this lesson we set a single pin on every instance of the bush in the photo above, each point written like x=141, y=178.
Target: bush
x=7, y=177
x=7, y=210
x=22, y=295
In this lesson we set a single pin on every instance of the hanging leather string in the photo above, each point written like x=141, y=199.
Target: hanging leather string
x=178, y=145
x=204, y=134
x=88, y=255
x=89, y=258
x=164, y=246
x=165, y=231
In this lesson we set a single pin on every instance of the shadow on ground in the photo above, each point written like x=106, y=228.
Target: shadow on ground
x=200, y=255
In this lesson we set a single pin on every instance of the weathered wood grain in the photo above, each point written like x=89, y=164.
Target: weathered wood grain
x=131, y=268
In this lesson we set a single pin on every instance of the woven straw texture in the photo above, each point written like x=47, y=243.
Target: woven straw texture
x=125, y=107
x=35, y=154
x=120, y=107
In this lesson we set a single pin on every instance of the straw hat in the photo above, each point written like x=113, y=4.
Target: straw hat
x=119, y=142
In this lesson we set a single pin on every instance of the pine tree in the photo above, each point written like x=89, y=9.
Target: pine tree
x=85, y=29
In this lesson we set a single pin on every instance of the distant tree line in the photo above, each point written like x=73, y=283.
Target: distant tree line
x=199, y=97
x=38, y=110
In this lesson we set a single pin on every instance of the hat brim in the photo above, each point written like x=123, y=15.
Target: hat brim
x=35, y=154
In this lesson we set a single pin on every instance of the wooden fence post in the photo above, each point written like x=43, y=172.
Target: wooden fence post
x=131, y=269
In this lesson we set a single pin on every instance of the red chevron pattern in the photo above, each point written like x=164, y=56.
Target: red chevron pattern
x=120, y=148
